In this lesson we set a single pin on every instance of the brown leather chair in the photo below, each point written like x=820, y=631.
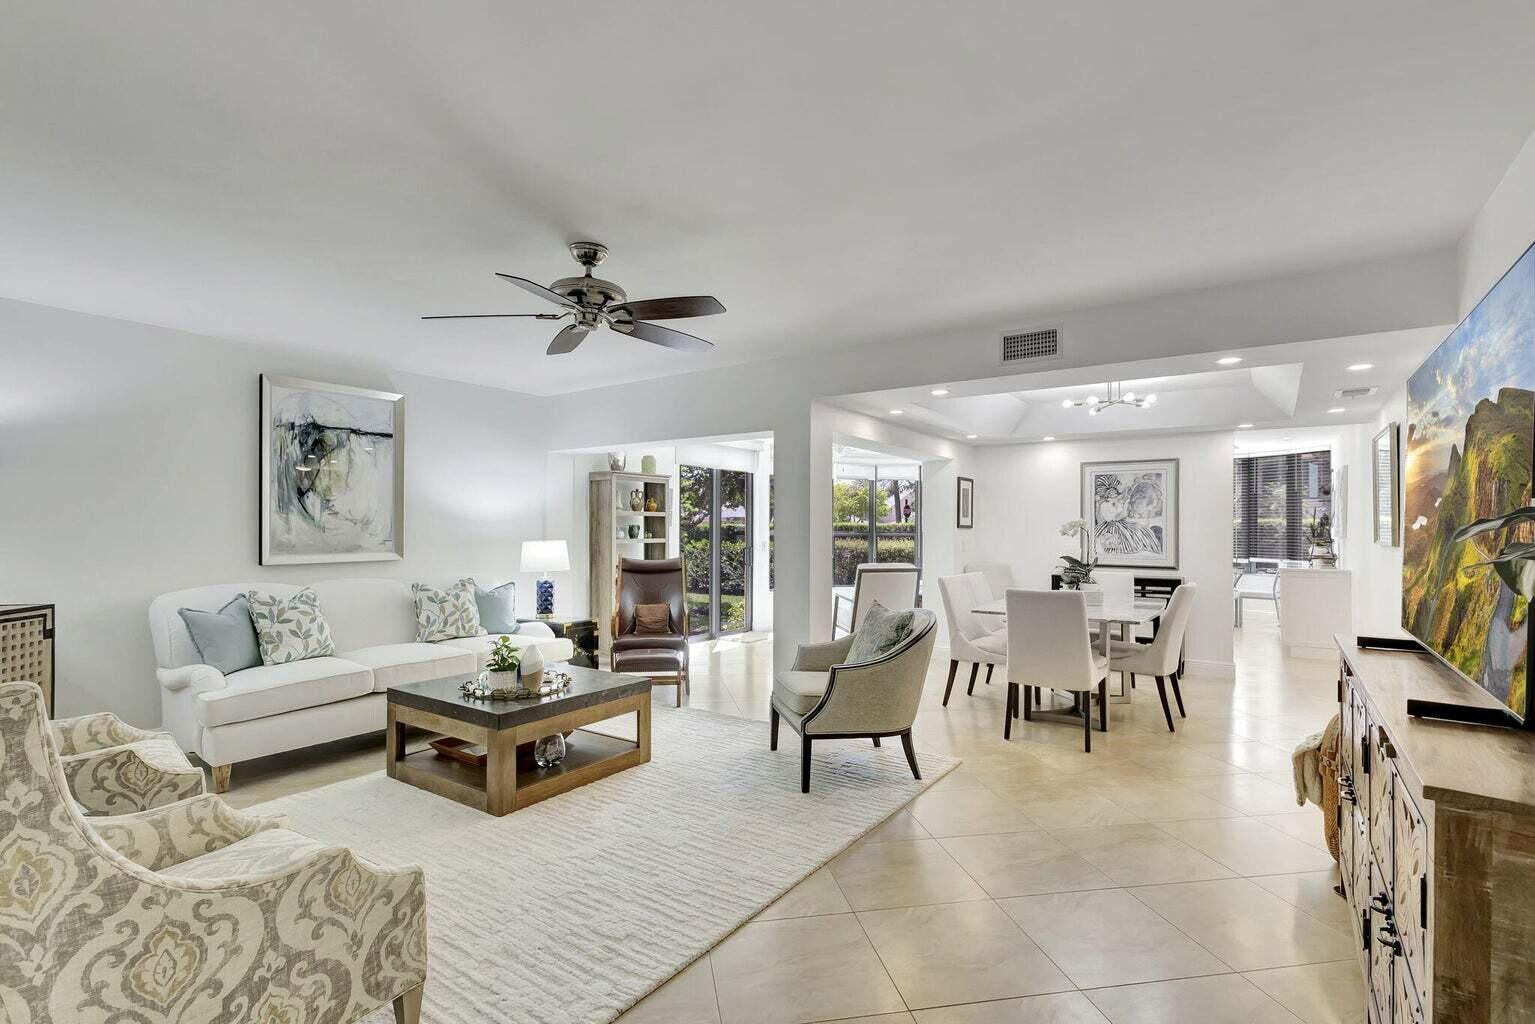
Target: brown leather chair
x=661, y=656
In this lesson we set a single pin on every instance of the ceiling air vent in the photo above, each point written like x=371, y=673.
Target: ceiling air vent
x=1024, y=346
x=1359, y=392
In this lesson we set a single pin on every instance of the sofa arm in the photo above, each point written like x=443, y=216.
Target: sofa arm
x=821, y=657
x=540, y=630
x=168, y=835
x=198, y=677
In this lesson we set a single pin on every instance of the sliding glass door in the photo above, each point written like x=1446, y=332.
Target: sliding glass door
x=716, y=546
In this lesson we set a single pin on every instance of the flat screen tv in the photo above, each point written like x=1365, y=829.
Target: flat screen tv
x=1466, y=590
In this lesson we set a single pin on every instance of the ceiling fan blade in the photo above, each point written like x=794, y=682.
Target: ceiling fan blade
x=567, y=340
x=674, y=308
x=537, y=289
x=486, y=316
x=663, y=336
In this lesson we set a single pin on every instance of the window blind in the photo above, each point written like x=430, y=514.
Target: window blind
x=1275, y=501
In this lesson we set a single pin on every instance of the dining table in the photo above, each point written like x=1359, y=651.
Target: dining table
x=1113, y=614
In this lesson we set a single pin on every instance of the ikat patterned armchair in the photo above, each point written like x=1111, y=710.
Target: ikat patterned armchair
x=191, y=913
x=115, y=768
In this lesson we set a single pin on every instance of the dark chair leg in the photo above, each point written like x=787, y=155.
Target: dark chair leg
x=804, y=764
x=988, y=674
x=1036, y=697
x=911, y=755
x=875, y=739
x=953, y=667
x=772, y=728
x=970, y=690
x=1030, y=698
x=1162, y=692
x=1087, y=721
x=1103, y=705
x=1132, y=680
x=1007, y=716
x=1178, y=695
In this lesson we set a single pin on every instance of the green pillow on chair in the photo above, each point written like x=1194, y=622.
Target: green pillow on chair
x=882, y=632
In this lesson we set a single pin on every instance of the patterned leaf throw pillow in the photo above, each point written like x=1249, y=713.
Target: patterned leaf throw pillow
x=289, y=628
x=882, y=631
x=446, y=614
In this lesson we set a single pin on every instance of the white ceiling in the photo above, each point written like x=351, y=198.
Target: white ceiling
x=320, y=174
x=1270, y=387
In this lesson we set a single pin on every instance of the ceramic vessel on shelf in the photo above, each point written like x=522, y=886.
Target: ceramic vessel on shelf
x=617, y=461
x=647, y=464
x=636, y=499
x=651, y=506
x=634, y=531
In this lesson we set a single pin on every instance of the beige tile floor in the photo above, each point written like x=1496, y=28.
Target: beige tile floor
x=1162, y=878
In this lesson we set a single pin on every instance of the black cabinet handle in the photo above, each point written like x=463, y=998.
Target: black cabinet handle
x=1388, y=939
x=1381, y=904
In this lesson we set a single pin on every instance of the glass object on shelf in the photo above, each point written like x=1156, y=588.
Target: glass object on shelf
x=549, y=751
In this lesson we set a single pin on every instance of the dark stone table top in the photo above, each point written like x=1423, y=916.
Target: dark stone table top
x=588, y=686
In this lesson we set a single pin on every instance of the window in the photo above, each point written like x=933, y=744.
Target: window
x=1277, y=501
x=876, y=512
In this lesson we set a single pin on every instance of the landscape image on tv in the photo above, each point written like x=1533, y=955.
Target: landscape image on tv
x=1470, y=436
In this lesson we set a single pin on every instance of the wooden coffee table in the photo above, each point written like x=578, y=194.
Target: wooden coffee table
x=509, y=780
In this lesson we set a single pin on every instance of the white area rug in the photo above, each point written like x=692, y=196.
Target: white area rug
x=575, y=908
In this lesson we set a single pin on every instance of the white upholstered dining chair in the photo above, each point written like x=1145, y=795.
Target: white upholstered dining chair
x=1161, y=657
x=999, y=577
x=1048, y=645
x=971, y=637
x=892, y=584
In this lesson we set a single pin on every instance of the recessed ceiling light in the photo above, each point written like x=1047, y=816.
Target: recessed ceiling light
x=971, y=437
x=939, y=392
x=1229, y=360
x=896, y=412
x=1244, y=426
x=1049, y=437
x=1361, y=367
x=1337, y=408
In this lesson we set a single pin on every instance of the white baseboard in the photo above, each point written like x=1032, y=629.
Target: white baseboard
x=1211, y=669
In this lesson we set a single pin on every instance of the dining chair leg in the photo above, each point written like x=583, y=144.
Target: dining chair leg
x=1178, y=695
x=988, y=673
x=875, y=739
x=1087, y=722
x=948, y=689
x=911, y=755
x=1036, y=695
x=974, y=670
x=1166, y=712
x=1132, y=680
x=1030, y=698
x=1103, y=705
x=804, y=764
x=772, y=728
x=1007, y=716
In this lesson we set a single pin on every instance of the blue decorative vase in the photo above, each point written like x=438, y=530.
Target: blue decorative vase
x=545, y=597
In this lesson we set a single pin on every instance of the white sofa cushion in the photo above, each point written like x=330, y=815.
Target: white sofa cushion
x=553, y=648
x=274, y=689
x=398, y=664
x=365, y=612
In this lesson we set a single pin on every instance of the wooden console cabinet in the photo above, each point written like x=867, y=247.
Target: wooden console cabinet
x=1437, y=832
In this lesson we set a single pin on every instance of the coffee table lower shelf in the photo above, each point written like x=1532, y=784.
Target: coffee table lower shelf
x=510, y=780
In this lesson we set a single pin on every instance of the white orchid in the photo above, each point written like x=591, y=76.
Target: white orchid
x=1074, y=528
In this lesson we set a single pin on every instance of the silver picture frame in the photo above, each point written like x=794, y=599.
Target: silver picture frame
x=362, y=518
x=1386, y=486
x=1144, y=532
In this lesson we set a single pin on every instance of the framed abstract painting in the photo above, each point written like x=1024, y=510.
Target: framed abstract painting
x=964, y=503
x=332, y=473
x=1131, y=509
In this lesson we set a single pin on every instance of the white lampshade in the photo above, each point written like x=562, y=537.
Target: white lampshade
x=545, y=556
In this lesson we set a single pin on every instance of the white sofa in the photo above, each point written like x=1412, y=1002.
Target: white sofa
x=272, y=708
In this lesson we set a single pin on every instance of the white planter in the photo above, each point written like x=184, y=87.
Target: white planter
x=1093, y=593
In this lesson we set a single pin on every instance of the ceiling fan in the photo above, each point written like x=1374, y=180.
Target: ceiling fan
x=596, y=303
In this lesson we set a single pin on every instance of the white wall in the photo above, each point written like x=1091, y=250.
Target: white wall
x=1503, y=229
x=1376, y=568
x=1023, y=493
x=128, y=468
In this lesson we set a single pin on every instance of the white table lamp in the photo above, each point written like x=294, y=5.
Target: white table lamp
x=545, y=556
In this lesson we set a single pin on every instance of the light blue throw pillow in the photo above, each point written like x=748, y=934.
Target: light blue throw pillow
x=498, y=608
x=882, y=632
x=225, y=639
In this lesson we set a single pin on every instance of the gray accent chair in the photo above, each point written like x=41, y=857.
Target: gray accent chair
x=824, y=698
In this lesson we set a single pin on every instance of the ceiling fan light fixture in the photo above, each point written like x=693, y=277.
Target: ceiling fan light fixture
x=1068, y=404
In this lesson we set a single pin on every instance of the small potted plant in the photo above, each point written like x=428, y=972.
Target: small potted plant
x=1322, y=554
x=1077, y=573
x=504, y=663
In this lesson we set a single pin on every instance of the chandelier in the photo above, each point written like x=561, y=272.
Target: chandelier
x=1115, y=395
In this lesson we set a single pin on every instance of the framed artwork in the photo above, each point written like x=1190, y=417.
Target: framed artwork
x=332, y=473
x=964, y=504
x=1385, y=479
x=1131, y=509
